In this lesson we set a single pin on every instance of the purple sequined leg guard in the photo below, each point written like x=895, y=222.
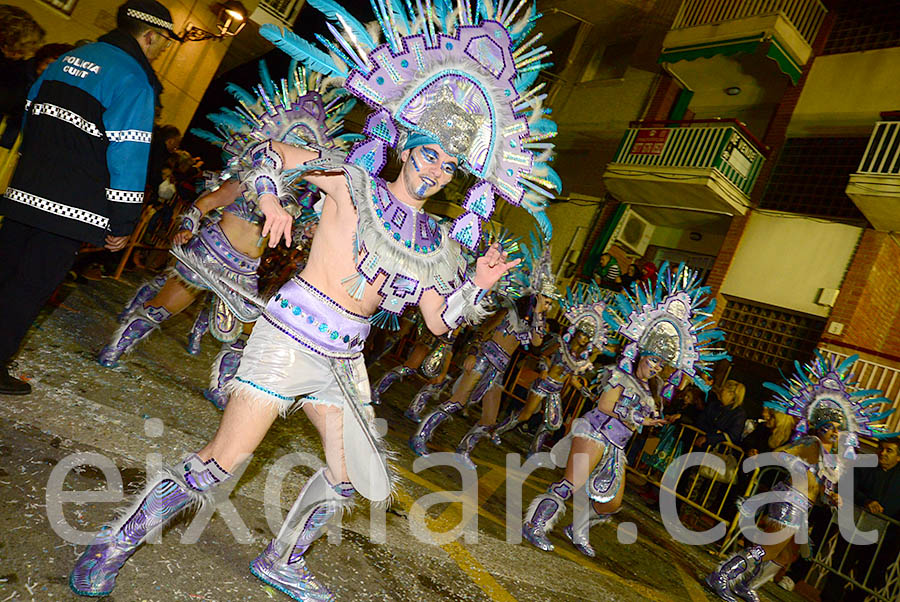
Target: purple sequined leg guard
x=579, y=532
x=731, y=580
x=146, y=292
x=389, y=379
x=224, y=368
x=421, y=400
x=426, y=428
x=537, y=444
x=94, y=573
x=137, y=327
x=469, y=441
x=201, y=325
x=282, y=565
x=543, y=513
x=504, y=426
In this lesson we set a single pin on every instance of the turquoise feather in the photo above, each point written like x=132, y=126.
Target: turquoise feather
x=301, y=50
x=332, y=9
x=241, y=94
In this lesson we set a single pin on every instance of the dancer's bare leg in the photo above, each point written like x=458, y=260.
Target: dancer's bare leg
x=329, y=421
x=174, y=296
x=583, y=457
x=532, y=403
x=242, y=428
x=490, y=407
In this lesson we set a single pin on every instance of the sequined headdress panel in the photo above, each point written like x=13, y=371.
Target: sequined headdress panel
x=458, y=71
x=672, y=320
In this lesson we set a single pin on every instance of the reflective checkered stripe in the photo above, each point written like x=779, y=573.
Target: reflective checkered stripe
x=51, y=110
x=128, y=136
x=88, y=217
x=148, y=18
x=124, y=196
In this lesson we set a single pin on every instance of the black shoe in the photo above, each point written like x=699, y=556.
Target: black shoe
x=10, y=385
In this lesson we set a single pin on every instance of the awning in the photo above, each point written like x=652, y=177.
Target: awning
x=752, y=44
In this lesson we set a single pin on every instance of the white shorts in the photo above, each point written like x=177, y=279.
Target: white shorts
x=278, y=370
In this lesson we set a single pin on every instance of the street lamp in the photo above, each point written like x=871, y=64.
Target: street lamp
x=231, y=19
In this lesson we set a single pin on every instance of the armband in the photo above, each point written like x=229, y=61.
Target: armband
x=465, y=304
x=190, y=219
x=265, y=175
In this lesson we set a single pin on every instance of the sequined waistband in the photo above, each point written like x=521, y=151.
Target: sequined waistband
x=313, y=319
x=214, y=239
x=495, y=354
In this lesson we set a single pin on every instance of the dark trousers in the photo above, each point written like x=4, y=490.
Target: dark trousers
x=33, y=263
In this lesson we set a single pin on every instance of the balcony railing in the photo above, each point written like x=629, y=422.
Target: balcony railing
x=805, y=15
x=872, y=375
x=882, y=155
x=724, y=145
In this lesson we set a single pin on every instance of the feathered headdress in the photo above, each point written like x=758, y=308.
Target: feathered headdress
x=306, y=107
x=672, y=320
x=823, y=391
x=584, y=308
x=538, y=261
x=454, y=71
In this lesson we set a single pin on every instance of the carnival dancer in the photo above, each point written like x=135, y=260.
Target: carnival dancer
x=665, y=324
x=430, y=357
x=522, y=322
x=221, y=254
x=570, y=355
x=374, y=254
x=832, y=414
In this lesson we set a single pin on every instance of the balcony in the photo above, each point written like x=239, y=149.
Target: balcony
x=875, y=187
x=702, y=165
x=780, y=30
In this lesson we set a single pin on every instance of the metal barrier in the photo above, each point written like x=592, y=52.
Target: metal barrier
x=704, y=490
x=860, y=566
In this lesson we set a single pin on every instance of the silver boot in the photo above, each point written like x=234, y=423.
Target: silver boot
x=137, y=327
x=178, y=487
x=731, y=580
x=579, y=532
x=543, y=513
x=282, y=565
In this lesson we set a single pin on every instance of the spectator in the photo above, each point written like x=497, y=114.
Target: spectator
x=610, y=276
x=876, y=489
x=187, y=174
x=723, y=416
x=631, y=276
x=20, y=35
x=648, y=272
x=80, y=179
x=774, y=432
x=686, y=405
x=166, y=139
x=46, y=54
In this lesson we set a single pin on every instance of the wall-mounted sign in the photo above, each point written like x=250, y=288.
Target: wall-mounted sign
x=650, y=142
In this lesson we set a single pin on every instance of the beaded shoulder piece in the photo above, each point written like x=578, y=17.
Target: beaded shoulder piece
x=411, y=248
